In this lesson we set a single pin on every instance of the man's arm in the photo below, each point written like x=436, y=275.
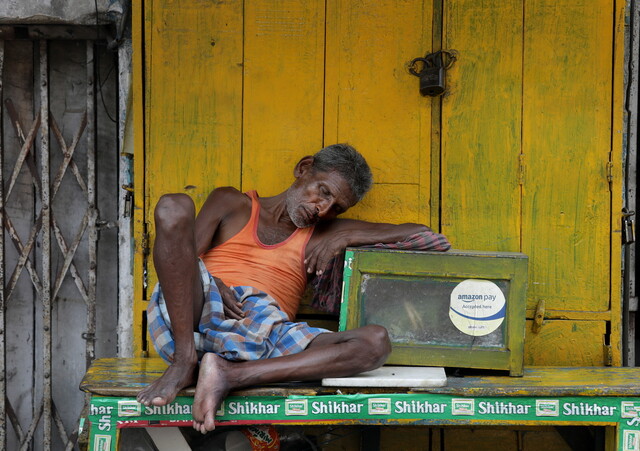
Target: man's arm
x=334, y=236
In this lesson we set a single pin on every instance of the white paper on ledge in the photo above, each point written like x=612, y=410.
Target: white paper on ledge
x=392, y=376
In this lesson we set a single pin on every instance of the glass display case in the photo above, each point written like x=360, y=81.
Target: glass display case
x=457, y=309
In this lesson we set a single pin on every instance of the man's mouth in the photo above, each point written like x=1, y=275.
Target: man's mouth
x=309, y=218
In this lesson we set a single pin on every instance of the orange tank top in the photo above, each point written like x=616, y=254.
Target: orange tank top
x=276, y=269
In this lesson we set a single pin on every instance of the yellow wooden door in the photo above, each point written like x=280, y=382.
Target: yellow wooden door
x=238, y=98
x=309, y=83
x=236, y=95
x=520, y=154
x=373, y=102
x=526, y=146
x=192, y=97
x=283, y=82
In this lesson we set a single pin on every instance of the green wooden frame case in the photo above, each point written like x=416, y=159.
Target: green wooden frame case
x=413, y=294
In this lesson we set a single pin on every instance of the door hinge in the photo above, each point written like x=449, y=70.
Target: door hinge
x=608, y=355
x=128, y=200
x=538, y=319
x=610, y=172
x=628, y=227
x=102, y=224
x=145, y=248
x=521, y=169
x=144, y=244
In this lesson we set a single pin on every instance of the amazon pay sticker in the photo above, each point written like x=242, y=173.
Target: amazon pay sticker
x=477, y=307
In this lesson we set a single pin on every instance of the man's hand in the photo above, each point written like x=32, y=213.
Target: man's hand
x=320, y=256
x=232, y=308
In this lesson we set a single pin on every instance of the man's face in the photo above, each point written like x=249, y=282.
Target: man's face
x=318, y=195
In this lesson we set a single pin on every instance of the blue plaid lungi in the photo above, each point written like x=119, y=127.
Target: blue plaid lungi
x=264, y=332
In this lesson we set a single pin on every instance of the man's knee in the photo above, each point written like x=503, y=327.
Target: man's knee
x=173, y=211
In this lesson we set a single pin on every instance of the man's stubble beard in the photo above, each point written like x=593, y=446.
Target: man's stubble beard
x=294, y=212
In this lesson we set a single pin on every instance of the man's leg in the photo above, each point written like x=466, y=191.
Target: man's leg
x=328, y=355
x=176, y=263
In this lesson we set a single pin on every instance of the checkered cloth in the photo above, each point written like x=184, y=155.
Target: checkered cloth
x=264, y=332
x=327, y=288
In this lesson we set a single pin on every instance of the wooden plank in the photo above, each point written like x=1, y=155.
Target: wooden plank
x=481, y=116
x=409, y=438
x=620, y=101
x=125, y=211
x=572, y=314
x=522, y=438
x=139, y=194
x=193, y=98
x=125, y=377
x=566, y=343
x=481, y=439
x=193, y=104
x=548, y=381
x=566, y=143
x=436, y=125
x=373, y=102
x=283, y=90
x=392, y=203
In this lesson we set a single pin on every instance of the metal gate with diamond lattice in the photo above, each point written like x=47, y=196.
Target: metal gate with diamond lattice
x=58, y=195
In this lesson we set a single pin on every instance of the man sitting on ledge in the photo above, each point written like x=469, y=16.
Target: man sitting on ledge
x=233, y=276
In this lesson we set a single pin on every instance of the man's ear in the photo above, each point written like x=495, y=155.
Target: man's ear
x=303, y=166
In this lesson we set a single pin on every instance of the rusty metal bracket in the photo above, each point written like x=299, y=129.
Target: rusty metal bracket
x=628, y=227
x=538, y=319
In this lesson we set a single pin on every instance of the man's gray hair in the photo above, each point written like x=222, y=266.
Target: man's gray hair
x=347, y=162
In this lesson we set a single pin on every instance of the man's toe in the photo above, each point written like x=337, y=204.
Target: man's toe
x=209, y=421
x=158, y=401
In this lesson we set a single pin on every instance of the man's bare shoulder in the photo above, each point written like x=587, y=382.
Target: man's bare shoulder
x=223, y=214
x=226, y=193
x=227, y=199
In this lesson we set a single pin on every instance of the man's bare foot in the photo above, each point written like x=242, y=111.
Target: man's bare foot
x=164, y=389
x=212, y=387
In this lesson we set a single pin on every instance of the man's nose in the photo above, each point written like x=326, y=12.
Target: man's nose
x=324, y=207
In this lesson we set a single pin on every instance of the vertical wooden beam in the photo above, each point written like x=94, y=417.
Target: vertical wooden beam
x=436, y=125
x=374, y=103
x=617, y=185
x=566, y=139
x=125, y=201
x=46, y=243
x=139, y=203
x=481, y=125
x=283, y=90
x=193, y=106
x=630, y=152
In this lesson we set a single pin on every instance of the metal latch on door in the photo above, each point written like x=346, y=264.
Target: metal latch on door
x=628, y=227
x=432, y=73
